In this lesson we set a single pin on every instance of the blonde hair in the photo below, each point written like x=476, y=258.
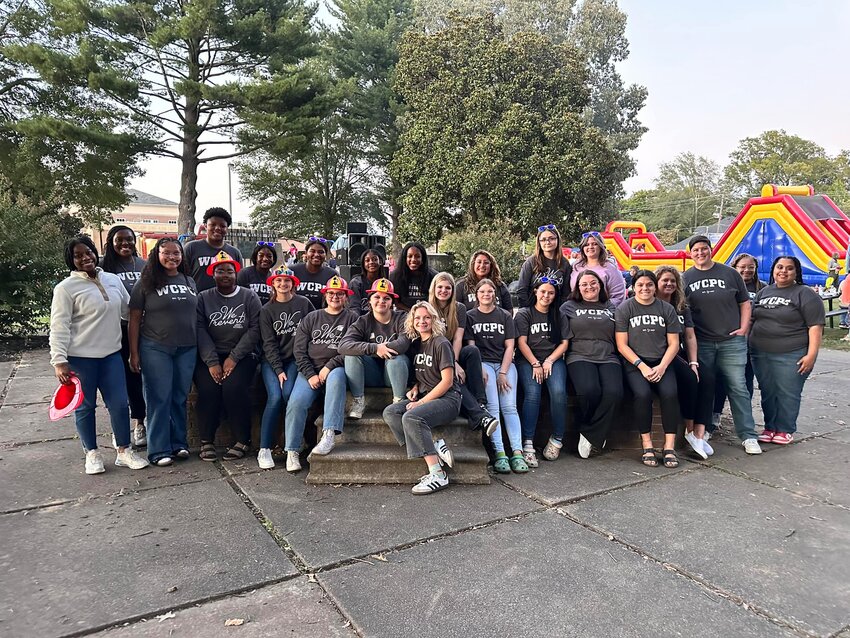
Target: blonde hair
x=436, y=326
x=449, y=313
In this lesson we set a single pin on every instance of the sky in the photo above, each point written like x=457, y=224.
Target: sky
x=716, y=72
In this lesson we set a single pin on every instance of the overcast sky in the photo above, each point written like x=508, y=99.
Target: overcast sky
x=716, y=72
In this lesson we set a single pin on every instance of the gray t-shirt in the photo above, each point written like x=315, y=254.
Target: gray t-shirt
x=168, y=314
x=317, y=340
x=541, y=336
x=429, y=359
x=252, y=279
x=782, y=317
x=130, y=273
x=278, y=324
x=199, y=255
x=460, y=309
x=647, y=326
x=365, y=334
x=228, y=325
x=312, y=283
x=714, y=296
x=469, y=300
x=490, y=331
x=590, y=329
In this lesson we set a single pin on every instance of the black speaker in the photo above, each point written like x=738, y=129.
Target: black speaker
x=359, y=228
x=348, y=272
x=341, y=256
x=378, y=243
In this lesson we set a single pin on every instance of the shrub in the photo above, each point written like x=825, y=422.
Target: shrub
x=31, y=262
x=507, y=248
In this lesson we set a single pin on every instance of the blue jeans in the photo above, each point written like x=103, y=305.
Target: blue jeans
x=727, y=360
x=302, y=398
x=781, y=387
x=504, y=402
x=277, y=396
x=557, y=386
x=167, y=379
x=373, y=372
x=106, y=375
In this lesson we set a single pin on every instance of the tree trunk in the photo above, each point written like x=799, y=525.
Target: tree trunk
x=191, y=136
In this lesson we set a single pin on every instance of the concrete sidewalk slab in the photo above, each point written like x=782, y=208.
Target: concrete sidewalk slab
x=6, y=368
x=23, y=390
x=35, y=363
x=571, y=477
x=326, y=524
x=840, y=435
x=48, y=473
x=296, y=608
x=29, y=424
x=79, y=567
x=817, y=467
x=540, y=576
x=787, y=554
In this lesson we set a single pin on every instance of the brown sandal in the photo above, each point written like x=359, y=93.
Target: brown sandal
x=236, y=451
x=649, y=458
x=208, y=452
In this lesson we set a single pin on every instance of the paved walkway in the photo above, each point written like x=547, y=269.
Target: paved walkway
x=732, y=547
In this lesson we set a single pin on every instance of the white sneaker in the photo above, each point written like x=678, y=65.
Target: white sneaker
x=715, y=419
x=139, y=435
x=264, y=459
x=431, y=483
x=129, y=458
x=165, y=461
x=398, y=399
x=705, y=446
x=358, y=404
x=94, y=462
x=751, y=446
x=293, y=462
x=324, y=446
x=584, y=447
x=444, y=453
x=696, y=445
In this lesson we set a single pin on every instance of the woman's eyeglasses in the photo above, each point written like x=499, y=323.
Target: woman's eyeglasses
x=270, y=244
x=540, y=229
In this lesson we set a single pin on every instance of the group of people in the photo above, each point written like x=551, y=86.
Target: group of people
x=143, y=331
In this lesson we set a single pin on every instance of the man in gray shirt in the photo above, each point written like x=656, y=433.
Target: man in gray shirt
x=202, y=252
x=721, y=310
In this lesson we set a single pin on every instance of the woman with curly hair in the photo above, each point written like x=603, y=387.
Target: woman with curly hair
x=482, y=265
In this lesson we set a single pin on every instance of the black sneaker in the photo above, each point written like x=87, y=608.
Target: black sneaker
x=488, y=424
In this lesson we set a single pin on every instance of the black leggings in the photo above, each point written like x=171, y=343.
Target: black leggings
x=688, y=386
x=642, y=390
x=234, y=393
x=470, y=360
x=599, y=390
x=134, y=379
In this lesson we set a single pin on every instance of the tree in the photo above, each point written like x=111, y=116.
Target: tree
x=505, y=247
x=363, y=48
x=202, y=70
x=597, y=28
x=57, y=142
x=315, y=190
x=692, y=178
x=495, y=133
x=775, y=157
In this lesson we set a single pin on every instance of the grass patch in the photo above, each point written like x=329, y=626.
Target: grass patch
x=832, y=339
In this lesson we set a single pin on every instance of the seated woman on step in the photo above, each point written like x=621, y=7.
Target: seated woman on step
x=434, y=399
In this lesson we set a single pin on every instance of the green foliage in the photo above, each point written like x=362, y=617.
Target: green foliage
x=495, y=131
x=58, y=141
x=31, y=261
x=506, y=247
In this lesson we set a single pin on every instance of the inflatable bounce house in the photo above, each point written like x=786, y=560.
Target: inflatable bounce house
x=785, y=220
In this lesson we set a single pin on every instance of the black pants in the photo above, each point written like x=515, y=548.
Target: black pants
x=134, y=380
x=234, y=394
x=688, y=386
x=470, y=361
x=599, y=390
x=643, y=390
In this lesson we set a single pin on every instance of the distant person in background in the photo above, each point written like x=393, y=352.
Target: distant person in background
x=788, y=321
x=412, y=278
x=255, y=277
x=371, y=269
x=629, y=278
x=313, y=273
x=482, y=265
x=833, y=268
x=547, y=261
x=293, y=251
x=594, y=256
x=122, y=260
x=202, y=252
x=85, y=341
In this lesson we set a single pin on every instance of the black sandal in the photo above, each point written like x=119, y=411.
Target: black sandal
x=236, y=451
x=649, y=458
x=670, y=459
x=208, y=452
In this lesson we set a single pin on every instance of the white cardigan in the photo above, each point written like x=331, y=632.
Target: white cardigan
x=85, y=316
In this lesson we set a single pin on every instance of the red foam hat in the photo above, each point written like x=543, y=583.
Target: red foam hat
x=383, y=285
x=67, y=398
x=337, y=283
x=283, y=271
x=223, y=258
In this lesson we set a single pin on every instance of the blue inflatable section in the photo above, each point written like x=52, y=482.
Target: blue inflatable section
x=766, y=241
